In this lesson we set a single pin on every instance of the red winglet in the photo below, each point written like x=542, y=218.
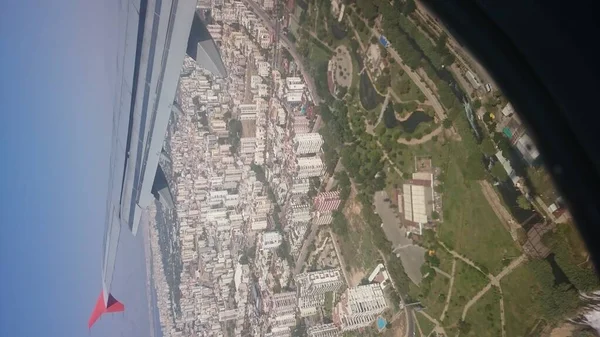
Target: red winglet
x=111, y=306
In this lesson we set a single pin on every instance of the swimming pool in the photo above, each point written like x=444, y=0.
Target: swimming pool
x=381, y=323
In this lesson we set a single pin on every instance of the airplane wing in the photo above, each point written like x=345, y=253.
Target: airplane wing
x=155, y=37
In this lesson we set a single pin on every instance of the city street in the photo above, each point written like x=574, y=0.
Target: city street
x=289, y=45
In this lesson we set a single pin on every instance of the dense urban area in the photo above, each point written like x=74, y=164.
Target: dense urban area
x=357, y=173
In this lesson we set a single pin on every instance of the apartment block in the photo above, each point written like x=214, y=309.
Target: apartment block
x=359, y=307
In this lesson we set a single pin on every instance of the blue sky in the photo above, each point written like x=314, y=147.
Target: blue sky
x=56, y=92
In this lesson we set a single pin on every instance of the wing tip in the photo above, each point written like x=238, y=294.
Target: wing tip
x=112, y=305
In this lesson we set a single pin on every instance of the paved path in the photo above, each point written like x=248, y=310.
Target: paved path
x=414, y=314
x=438, y=327
x=438, y=270
x=398, y=99
x=474, y=299
x=464, y=259
x=505, y=217
x=443, y=315
x=494, y=281
x=383, y=106
x=544, y=208
x=424, y=139
x=502, y=318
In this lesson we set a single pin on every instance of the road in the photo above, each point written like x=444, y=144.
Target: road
x=288, y=45
x=304, y=251
x=443, y=315
x=408, y=311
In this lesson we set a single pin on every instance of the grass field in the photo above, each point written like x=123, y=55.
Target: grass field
x=435, y=299
x=318, y=53
x=484, y=316
x=470, y=225
x=425, y=324
x=468, y=281
x=521, y=304
x=399, y=82
x=445, y=260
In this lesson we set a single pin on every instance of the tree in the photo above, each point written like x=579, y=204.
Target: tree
x=498, y=171
x=302, y=19
x=523, y=202
x=487, y=147
x=404, y=86
x=398, y=107
x=464, y=327
x=447, y=123
x=474, y=168
x=354, y=45
x=383, y=81
x=409, y=7
x=411, y=106
x=339, y=225
x=373, y=40
x=435, y=215
x=360, y=25
x=368, y=8
x=300, y=329
x=476, y=104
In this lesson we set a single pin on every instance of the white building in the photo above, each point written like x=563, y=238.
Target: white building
x=299, y=213
x=294, y=96
x=283, y=312
x=300, y=186
x=310, y=167
x=258, y=223
x=248, y=111
x=323, y=330
x=271, y=240
x=294, y=84
x=263, y=68
x=319, y=282
x=308, y=143
x=359, y=307
x=417, y=196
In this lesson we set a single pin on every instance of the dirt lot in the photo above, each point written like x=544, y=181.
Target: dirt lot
x=343, y=67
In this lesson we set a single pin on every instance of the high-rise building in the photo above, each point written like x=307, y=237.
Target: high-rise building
x=359, y=307
x=283, y=312
x=308, y=143
x=312, y=286
x=319, y=282
x=323, y=330
x=310, y=167
x=327, y=201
